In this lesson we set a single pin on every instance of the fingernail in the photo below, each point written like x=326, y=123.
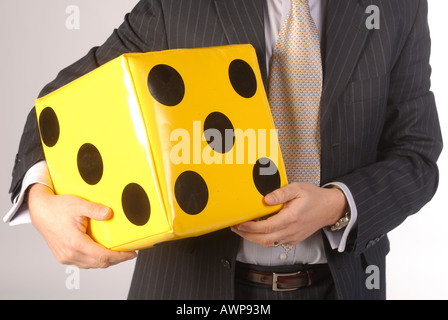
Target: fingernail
x=237, y=229
x=105, y=212
x=270, y=199
x=241, y=227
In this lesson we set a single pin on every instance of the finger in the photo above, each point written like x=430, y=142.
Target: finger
x=98, y=212
x=91, y=210
x=273, y=224
x=265, y=240
x=94, y=255
x=282, y=195
x=262, y=227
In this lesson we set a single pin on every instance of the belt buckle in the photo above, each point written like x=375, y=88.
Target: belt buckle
x=275, y=280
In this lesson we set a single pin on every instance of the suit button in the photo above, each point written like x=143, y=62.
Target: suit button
x=226, y=263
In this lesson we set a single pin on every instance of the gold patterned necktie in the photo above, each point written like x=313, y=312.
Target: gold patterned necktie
x=295, y=88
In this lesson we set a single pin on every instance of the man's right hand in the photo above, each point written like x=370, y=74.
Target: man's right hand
x=62, y=220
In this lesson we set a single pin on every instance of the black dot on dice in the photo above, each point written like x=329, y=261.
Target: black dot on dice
x=219, y=132
x=166, y=85
x=243, y=78
x=90, y=164
x=191, y=192
x=136, y=205
x=266, y=176
x=49, y=127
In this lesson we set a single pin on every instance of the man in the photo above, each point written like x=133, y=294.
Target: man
x=379, y=143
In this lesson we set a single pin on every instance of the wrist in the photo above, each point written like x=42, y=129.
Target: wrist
x=339, y=204
x=36, y=193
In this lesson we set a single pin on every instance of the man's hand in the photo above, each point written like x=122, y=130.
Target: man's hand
x=62, y=220
x=306, y=209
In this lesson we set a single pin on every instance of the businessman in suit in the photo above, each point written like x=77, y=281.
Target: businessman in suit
x=379, y=142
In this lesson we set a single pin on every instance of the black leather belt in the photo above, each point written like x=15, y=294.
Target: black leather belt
x=285, y=281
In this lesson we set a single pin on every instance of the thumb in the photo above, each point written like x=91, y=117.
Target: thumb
x=282, y=195
x=97, y=211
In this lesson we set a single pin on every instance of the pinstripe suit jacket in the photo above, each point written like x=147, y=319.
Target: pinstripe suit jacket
x=380, y=130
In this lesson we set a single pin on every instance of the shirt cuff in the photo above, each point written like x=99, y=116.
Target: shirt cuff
x=338, y=239
x=19, y=213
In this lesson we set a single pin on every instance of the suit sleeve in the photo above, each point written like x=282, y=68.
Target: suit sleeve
x=142, y=31
x=405, y=176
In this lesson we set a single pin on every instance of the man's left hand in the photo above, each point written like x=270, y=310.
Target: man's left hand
x=306, y=209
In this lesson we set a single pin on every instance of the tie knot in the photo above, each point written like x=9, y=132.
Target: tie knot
x=300, y=3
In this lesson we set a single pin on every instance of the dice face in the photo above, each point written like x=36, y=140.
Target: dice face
x=219, y=110
x=96, y=147
x=178, y=143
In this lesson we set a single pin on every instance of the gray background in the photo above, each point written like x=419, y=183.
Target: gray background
x=36, y=44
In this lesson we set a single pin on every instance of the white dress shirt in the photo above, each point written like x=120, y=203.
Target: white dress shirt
x=309, y=251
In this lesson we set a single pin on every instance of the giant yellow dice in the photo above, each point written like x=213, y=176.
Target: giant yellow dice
x=178, y=143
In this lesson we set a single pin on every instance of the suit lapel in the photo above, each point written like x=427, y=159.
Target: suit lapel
x=243, y=22
x=345, y=36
